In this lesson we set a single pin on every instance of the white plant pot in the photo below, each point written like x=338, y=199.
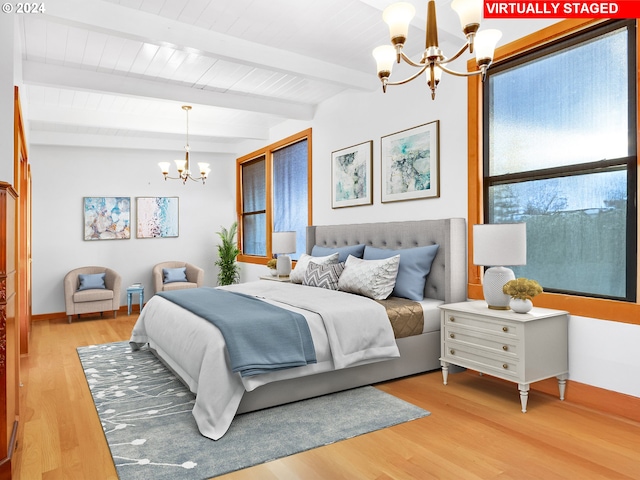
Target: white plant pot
x=520, y=306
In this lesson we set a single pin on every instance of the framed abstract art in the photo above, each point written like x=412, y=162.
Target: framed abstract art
x=157, y=217
x=107, y=218
x=351, y=176
x=411, y=164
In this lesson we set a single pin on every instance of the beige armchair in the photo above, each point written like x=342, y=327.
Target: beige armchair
x=84, y=295
x=194, y=276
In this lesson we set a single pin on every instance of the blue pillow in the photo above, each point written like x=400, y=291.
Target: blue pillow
x=170, y=275
x=343, y=252
x=91, y=280
x=415, y=265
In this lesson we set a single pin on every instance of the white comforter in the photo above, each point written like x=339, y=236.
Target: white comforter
x=347, y=330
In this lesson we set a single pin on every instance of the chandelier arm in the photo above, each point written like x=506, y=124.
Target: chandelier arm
x=411, y=62
x=459, y=74
x=458, y=53
x=416, y=75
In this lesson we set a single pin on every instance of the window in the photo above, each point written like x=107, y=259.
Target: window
x=560, y=150
x=274, y=195
x=553, y=142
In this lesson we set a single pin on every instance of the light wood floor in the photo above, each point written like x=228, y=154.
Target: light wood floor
x=475, y=431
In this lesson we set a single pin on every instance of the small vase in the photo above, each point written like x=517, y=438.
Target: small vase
x=273, y=271
x=519, y=305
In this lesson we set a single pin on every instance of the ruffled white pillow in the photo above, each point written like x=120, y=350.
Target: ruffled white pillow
x=371, y=278
x=297, y=274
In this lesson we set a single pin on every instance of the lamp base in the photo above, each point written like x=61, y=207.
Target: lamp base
x=283, y=265
x=494, y=280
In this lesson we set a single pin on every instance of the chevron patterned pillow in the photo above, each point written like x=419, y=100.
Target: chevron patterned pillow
x=323, y=276
x=297, y=274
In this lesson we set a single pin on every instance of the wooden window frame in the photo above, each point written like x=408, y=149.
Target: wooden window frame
x=267, y=152
x=615, y=310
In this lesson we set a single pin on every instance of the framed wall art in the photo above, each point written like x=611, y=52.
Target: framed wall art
x=107, y=218
x=157, y=217
x=351, y=176
x=411, y=163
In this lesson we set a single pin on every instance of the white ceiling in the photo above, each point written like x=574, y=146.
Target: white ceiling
x=114, y=73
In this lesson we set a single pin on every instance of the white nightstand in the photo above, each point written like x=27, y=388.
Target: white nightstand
x=275, y=278
x=519, y=347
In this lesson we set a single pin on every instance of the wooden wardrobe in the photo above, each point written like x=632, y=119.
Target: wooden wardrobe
x=15, y=290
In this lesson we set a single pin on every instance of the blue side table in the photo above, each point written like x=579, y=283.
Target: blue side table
x=139, y=289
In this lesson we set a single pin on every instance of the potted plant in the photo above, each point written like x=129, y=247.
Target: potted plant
x=271, y=265
x=521, y=290
x=227, y=252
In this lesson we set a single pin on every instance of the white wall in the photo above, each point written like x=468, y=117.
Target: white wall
x=63, y=176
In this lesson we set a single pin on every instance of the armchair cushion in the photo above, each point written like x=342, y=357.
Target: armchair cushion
x=170, y=275
x=91, y=280
x=93, y=295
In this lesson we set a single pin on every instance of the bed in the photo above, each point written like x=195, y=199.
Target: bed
x=177, y=336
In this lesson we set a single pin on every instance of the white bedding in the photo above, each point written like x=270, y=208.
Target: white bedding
x=346, y=329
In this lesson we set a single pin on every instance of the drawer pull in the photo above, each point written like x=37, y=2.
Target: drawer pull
x=452, y=335
x=505, y=329
x=505, y=366
x=452, y=351
x=505, y=347
x=452, y=319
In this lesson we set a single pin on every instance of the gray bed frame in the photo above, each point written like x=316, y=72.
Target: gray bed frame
x=447, y=281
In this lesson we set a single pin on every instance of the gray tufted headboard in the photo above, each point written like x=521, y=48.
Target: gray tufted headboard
x=448, y=277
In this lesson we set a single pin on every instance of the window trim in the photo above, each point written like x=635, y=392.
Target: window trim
x=619, y=311
x=267, y=152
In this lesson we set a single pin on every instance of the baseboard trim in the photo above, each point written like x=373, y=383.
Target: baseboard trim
x=608, y=401
x=62, y=315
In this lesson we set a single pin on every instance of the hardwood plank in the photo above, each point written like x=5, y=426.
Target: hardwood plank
x=475, y=430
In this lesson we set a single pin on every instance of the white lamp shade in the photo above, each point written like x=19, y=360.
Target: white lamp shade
x=283, y=242
x=398, y=16
x=500, y=244
x=180, y=164
x=204, y=168
x=469, y=11
x=485, y=44
x=164, y=166
x=385, y=56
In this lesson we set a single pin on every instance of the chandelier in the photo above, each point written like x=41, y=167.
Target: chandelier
x=184, y=172
x=433, y=61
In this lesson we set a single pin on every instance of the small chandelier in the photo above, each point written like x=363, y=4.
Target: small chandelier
x=184, y=173
x=433, y=62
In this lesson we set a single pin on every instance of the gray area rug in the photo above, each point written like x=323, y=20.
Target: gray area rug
x=146, y=416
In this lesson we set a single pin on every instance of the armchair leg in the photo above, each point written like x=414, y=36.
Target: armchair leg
x=115, y=314
x=70, y=318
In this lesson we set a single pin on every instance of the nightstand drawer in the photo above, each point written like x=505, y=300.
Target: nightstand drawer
x=484, y=362
x=482, y=324
x=455, y=335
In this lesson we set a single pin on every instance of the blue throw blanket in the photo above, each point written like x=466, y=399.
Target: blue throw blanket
x=260, y=337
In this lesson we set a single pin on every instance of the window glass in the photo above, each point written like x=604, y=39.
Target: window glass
x=564, y=108
x=290, y=193
x=576, y=225
x=254, y=187
x=560, y=156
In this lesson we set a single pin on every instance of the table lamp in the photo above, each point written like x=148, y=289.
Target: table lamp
x=282, y=244
x=496, y=245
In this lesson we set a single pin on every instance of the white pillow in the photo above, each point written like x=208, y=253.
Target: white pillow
x=297, y=274
x=371, y=278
